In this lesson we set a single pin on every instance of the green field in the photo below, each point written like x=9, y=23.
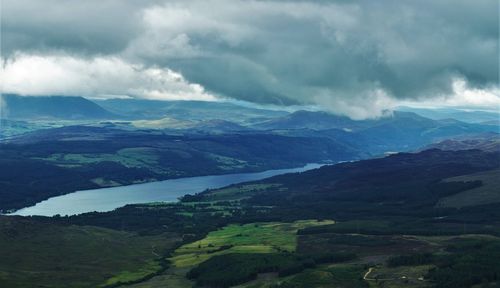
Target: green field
x=75, y=256
x=128, y=157
x=248, y=238
x=238, y=192
x=228, y=163
x=255, y=238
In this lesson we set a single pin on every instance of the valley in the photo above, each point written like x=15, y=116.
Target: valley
x=371, y=217
x=243, y=223
x=108, y=199
x=249, y=144
x=91, y=152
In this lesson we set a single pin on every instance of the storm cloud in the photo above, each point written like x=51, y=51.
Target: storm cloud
x=356, y=58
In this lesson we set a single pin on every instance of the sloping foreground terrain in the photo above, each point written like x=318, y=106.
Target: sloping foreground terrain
x=372, y=223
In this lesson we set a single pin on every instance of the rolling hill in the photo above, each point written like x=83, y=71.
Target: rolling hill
x=52, y=107
x=386, y=226
x=486, y=142
x=451, y=113
x=401, y=131
x=188, y=110
x=404, y=184
x=56, y=161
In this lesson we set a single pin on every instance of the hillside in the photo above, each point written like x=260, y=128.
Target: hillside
x=468, y=116
x=487, y=193
x=402, y=131
x=72, y=256
x=56, y=161
x=51, y=107
x=485, y=142
x=386, y=226
x=188, y=110
x=404, y=184
x=311, y=120
x=354, y=224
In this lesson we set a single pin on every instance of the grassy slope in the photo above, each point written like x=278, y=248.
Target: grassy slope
x=488, y=193
x=74, y=256
x=248, y=238
x=128, y=157
x=238, y=191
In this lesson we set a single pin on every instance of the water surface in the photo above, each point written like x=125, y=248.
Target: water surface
x=107, y=199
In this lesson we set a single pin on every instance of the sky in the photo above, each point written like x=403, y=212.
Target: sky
x=357, y=58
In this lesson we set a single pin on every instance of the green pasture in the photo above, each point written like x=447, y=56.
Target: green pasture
x=248, y=238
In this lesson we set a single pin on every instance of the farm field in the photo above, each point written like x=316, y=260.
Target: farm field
x=238, y=192
x=248, y=238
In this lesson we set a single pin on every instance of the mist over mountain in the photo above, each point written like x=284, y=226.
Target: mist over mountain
x=51, y=107
x=469, y=116
x=396, y=131
x=399, y=131
x=188, y=110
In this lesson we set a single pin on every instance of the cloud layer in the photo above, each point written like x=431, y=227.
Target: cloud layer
x=355, y=58
x=100, y=77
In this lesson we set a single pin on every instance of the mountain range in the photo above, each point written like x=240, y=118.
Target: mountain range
x=16, y=107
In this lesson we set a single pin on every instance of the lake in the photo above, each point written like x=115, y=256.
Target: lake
x=107, y=199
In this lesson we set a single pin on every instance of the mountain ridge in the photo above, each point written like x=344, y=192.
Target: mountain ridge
x=52, y=107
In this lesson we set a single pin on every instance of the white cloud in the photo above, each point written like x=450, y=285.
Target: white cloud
x=98, y=77
x=463, y=96
x=371, y=104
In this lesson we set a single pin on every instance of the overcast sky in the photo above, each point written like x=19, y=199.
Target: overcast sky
x=355, y=58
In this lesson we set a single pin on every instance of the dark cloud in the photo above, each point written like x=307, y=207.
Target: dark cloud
x=89, y=27
x=354, y=57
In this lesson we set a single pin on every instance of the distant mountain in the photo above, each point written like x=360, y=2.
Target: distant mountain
x=402, y=131
x=163, y=123
x=406, y=131
x=324, y=121
x=311, y=120
x=450, y=113
x=188, y=110
x=486, y=142
x=51, y=107
x=190, y=126
x=492, y=122
x=218, y=126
